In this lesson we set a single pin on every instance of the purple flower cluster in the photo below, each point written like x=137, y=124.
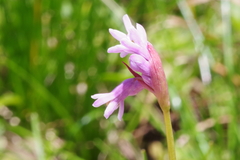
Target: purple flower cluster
x=143, y=59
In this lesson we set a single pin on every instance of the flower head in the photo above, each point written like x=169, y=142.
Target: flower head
x=143, y=59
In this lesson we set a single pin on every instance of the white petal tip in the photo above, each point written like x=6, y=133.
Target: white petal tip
x=94, y=96
x=109, y=50
x=123, y=54
x=94, y=105
x=114, y=49
x=106, y=116
x=125, y=16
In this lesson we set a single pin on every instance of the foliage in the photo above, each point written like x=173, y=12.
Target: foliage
x=53, y=58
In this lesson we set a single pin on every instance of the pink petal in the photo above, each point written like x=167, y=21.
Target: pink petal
x=132, y=47
x=121, y=110
x=139, y=64
x=102, y=99
x=110, y=109
x=123, y=54
x=127, y=22
x=134, y=36
x=117, y=34
x=121, y=89
x=135, y=88
x=126, y=88
x=116, y=49
x=142, y=33
x=147, y=79
x=96, y=96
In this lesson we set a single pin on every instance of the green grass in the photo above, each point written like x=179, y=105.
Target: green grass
x=53, y=57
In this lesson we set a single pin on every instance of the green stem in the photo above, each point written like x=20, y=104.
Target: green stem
x=169, y=134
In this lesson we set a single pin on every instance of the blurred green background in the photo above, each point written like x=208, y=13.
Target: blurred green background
x=53, y=57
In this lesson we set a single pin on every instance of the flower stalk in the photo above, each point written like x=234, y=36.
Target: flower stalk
x=169, y=135
x=161, y=92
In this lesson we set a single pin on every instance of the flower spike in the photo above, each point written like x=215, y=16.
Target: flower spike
x=144, y=60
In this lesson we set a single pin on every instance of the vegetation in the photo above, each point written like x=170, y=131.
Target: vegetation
x=53, y=57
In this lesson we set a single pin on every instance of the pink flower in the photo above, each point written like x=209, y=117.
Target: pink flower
x=129, y=87
x=143, y=59
x=133, y=42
